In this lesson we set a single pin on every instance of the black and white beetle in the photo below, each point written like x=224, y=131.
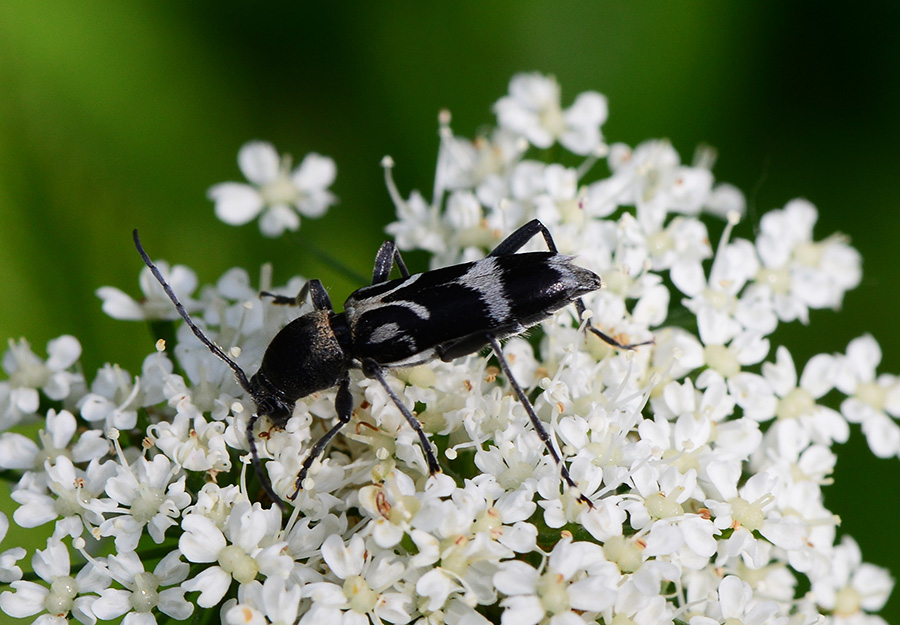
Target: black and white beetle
x=444, y=313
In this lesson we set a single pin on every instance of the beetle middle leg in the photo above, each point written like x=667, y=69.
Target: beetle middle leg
x=388, y=255
x=536, y=422
x=372, y=369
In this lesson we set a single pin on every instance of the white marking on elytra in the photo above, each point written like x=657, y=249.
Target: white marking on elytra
x=384, y=333
x=364, y=304
x=482, y=277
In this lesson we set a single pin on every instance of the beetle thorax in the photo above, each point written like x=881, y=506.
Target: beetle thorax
x=304, y=357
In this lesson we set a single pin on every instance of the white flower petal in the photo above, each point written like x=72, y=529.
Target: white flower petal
x=202, y=541
x=63, y=352
x=27, y=599
x=592, y=594
x=173, y=603
x=276, y=219
x=118, y=305
x=436, y=586
x=259, y=162
x=51, y=562
x=61, y=426
x=112, y=604
x=212, y=583
x=734, y=594
x=316, y=172
x=17, y=451
x=235, y=203
x=342, y=560
x=522, y=610
x=516, y=578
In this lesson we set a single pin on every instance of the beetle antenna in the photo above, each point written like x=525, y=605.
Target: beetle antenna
x=221, y=355
x=215, y=349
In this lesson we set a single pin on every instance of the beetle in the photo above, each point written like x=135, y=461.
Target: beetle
x=444, y=313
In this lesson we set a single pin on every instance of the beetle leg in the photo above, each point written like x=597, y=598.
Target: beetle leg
x=312, y=288
x=388, y=255
x=579, y=306
x=343, y=405
x=372, y=369
x=535, y=420
x=514, y=242
x=257, y=465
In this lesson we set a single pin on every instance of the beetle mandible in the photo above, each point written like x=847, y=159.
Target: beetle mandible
x=443, y=313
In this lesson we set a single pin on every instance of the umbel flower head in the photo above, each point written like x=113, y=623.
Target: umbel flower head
x=703, y=453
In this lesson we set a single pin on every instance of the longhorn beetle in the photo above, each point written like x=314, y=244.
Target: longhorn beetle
x=444, y=313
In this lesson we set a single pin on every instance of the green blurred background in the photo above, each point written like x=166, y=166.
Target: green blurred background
x=121, y=115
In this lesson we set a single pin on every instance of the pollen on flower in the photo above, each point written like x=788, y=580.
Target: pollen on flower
x=795, y=404
x=779, y=279
x=662, y=507
x=873, y=394
x=747, y=514
x=625, y=553
x=721, y=359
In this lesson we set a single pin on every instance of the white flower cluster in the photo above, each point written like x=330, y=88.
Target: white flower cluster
x=704, y=452
x=277, y=193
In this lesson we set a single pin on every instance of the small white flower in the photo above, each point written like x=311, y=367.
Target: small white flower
x=67, y=494
x=196, y=445
x=65, y=596
x=155, y=304
x=113, y=399
x=721, y=313
x=55, y=439
x=802, y=421
x=651, y=178
x=578, y=579
x=533, y=109
x=141, y=595
x=28, y=374
x=482, y=165
x=364, y=587
x=248, y=550
x=872, y=400
x=152, y=499
x=276, y=191
x=799, y=273
x=748, y=510
x=851, y=587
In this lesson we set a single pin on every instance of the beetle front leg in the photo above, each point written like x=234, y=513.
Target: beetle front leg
x=343, y=405
x=312, y=288
x=257, y=465
x=588, y=327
